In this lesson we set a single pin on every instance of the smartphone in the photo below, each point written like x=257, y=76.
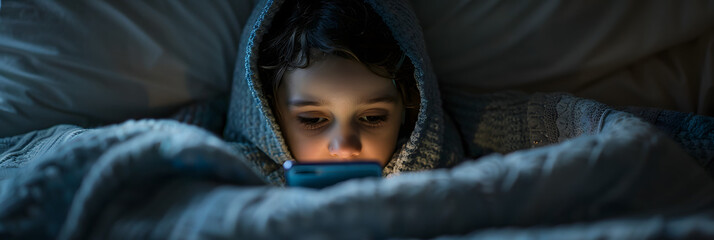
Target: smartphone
x=324, y=174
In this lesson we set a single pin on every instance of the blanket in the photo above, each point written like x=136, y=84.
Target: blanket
x=142, y=180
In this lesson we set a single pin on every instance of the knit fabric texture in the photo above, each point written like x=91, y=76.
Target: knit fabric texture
x=695, y=133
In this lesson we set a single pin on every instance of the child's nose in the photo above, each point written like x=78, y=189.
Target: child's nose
x=345, y=144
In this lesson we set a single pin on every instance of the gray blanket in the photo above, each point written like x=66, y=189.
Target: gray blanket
x=142, y=180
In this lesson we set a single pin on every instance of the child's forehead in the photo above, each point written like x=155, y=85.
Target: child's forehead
x=333, y=70
x=337, y=79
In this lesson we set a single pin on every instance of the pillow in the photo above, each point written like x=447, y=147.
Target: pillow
x=680, y=78
x=95, y=62
x=553, y=45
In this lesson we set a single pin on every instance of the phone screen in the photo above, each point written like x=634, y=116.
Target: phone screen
x=324, y=174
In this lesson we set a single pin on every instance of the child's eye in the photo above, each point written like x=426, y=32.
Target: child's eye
x=312, y=122
x=374, y=121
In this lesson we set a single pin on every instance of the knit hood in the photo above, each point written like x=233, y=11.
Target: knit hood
x=433, y=142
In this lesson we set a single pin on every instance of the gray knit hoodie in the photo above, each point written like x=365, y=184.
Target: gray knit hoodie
x=252, y=124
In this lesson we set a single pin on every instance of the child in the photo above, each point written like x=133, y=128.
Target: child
x=338, y=83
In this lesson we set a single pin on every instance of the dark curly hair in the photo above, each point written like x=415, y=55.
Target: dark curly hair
x=305, y=31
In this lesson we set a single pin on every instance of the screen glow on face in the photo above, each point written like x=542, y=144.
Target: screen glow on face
x=338, y=110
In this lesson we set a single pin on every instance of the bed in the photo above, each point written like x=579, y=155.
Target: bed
x=100, y=146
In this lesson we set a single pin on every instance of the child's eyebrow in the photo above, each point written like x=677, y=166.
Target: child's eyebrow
x=388, y=98
x=303, y=103
x=380, y=99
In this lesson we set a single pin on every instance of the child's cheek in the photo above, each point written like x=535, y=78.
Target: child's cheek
x=309, y=146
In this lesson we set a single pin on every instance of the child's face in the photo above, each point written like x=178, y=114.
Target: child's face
x=338, y=110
